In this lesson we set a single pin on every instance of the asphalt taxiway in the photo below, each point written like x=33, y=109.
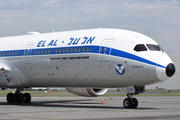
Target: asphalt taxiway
x=77, y=108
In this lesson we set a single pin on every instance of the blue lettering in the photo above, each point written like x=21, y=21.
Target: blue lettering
x=76, y=41
x=85, y=38
x=71, y=41
x=39, y=44
x=43, y=44
x=90, y=40
x=55, y=43
x=51, y=43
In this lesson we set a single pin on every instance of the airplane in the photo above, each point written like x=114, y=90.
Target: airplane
x=85, y=62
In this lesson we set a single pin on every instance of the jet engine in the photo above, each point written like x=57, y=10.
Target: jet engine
x=88, y=92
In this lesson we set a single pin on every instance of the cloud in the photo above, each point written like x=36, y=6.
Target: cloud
x=12, y=2
x=13, y=5
x=77, y=14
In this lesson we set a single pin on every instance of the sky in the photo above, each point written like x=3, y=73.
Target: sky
x=158, y=19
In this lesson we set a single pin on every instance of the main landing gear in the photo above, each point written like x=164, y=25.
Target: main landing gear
x=18, y=97
x=131, y=102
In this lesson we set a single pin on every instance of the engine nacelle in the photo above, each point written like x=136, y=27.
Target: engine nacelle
x=88, y=92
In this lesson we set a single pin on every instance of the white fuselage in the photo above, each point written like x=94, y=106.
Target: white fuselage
x=82, y=58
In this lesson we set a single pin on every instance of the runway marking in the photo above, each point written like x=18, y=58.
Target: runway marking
x=29, y=117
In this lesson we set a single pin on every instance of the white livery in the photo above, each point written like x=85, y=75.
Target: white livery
x=85, y=62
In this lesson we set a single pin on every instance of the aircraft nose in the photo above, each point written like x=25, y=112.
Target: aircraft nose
x=170, y=69
x=165, y=68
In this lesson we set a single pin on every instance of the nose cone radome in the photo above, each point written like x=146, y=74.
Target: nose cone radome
x=170, y=69
x=165, y=68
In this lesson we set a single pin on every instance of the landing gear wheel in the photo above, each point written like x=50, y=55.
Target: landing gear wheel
x=27, y=98
x=18, y=98
x=10, y=97
x=128, y=103
x=135, y=103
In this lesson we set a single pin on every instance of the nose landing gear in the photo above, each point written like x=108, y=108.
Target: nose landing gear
x=18, y=97
x=131, y=102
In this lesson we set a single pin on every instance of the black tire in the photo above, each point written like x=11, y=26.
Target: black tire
x=135, y=103
x=18, y=98
x=10, y=97
x=21, y=97
x=27, y=98
x=127, y=103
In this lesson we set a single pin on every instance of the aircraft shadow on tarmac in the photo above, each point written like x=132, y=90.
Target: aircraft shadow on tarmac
x=88, y=103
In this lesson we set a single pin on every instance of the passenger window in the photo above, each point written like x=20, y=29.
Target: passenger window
x=16, y=53
x=38, y=51
x=35, y=52
x=13, y=53
x=1, y=53
x=80, y=49
x=140, y=47
x=46, y=51
x=153, y=47
x=68, y=50
x=88, y=49
x=101, y=48
x=60, y=50
x=76, y=49
x=6, y=53
x=72, y=49
x=64, y=50
x=56, y=50
x=9, y=53
x=49, y=51
x=84, y=49
x=42, y=52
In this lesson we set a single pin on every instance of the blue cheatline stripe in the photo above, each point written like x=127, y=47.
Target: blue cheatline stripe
x=123, y=54
x=80, y=49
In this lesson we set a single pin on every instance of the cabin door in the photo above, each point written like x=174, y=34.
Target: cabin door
x=27, y=54
x=105, y=50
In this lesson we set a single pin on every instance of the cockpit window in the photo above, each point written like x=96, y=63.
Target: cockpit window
x=153, y=47
x=140, y=47
x=160, y=48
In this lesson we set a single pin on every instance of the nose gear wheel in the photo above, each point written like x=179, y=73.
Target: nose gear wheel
x=130, y=103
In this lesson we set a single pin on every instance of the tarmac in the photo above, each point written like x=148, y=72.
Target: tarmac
x=83, y=108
